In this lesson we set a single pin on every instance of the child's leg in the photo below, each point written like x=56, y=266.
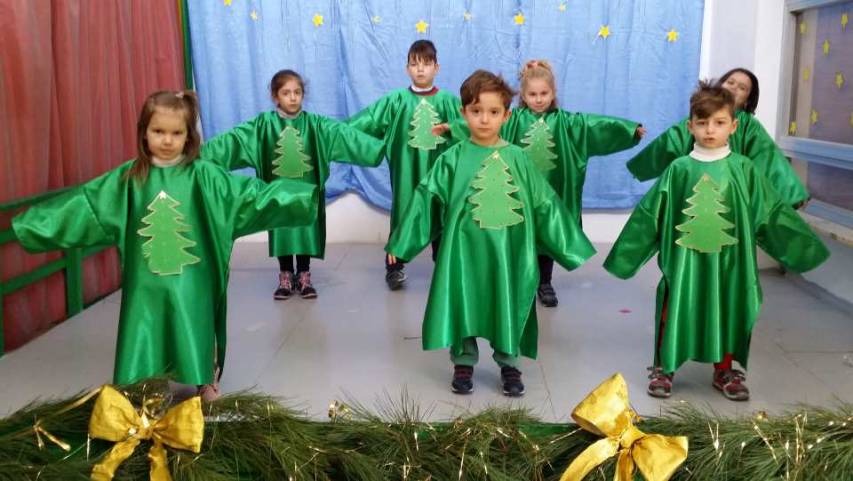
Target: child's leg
x=660, y=385
x=394, y=275
x=464, y=357
x=731, y=382
x=547, y=295
x=303, y=281
x=510, y=375
x=285, y=278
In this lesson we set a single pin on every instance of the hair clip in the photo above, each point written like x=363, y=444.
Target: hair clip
x=180, y=95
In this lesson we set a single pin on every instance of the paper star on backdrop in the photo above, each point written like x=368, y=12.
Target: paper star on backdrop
x=814, y=116
x=839, y=80
x=227, y=3
x=421, y=26
x=604, y=31
x=844, y=20
x=826, y=47
x=807, y=73
x=851, y=119
x=518, y=18
x=793, y=128
x=671, y=36
x=802, y=28
x=317, y=20
x=467, y=16
x=376, y=19
x=254, y=15
x=562, y=7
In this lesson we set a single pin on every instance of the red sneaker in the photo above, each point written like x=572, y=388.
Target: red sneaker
x=661, y=383
x=731, y=383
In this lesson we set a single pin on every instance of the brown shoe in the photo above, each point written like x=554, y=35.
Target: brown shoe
x=731, y=383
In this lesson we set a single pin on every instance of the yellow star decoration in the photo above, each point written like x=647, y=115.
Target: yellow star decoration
x=814, y=116
x=851, y=119
x=604, y=31
x=317, y=20
x=421, y=26
x=519, y=18
x=671, y=36
x=227, y=3
x=562, y=7
x=254, y=15
x=802, y=28
x=376, y=19
x=844, y=21
x=826, y=47
x=839, y=79
x=793, y=128
x=807, y=73
x=467, y=16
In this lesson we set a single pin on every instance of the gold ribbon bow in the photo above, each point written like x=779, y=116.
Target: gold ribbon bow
x=115, y=419
x=607, y=412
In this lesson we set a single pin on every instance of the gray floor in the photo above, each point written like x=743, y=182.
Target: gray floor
x=360, y=341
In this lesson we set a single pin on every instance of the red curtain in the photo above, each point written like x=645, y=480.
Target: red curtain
x=73, y=75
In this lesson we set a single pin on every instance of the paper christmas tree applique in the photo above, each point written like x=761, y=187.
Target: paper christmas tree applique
x=166, y=251
x=423, y=120
x=291, y=161
x=496, y=208
x=705, y=231
x=539, y=142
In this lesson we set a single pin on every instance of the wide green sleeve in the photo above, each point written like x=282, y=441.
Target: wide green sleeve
x=375, y=119
x=422, y=220
x=639, y=240
x=344, y=143
x=602, y=135
x=237, y=148
x=90, y=214
x=780, y=231
x=250, y=205
x=771, y=161
x=650, y=163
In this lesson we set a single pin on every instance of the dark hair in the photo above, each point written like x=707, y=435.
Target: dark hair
x=484, y=81
x=281, y=77
x=709, y=98
x=752, y=100
x=182, y=101
x=423, y=50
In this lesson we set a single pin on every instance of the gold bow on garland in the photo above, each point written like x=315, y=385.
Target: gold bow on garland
x=115, y=419
x=607, y=412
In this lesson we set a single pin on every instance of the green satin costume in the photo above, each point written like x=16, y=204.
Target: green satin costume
x=485, y=279
x=711, y=299
x=390, y=119
x=575, y=136
x=255, y=143
x=171, y=322
x=750, y=139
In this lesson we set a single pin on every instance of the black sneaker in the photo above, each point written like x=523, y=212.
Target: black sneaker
x=462, y=383
x=303, y=285
x=547, y=296
x=511, y=379
x=285, y=286
x=395, y=279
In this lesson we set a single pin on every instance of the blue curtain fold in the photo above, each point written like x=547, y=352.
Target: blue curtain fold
x=358, y=54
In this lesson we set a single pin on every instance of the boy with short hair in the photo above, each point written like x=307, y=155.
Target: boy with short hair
x=706, y=214
x=493, y=209
x=404, y=119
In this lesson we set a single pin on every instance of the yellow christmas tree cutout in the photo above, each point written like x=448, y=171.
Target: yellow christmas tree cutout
x=165, y=251
x=539, y=142
x=496, y=208
x=423, y=120
x=292, y=161
x=705, y=231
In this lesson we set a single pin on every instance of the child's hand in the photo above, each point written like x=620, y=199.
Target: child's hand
x=640, y=132
x=440, y=129
x=392, y=259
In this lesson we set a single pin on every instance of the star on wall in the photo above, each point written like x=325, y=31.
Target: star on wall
x=604, y=31
x=518, y=18
x=671, y=36
x=317, y=20
x=421, y=26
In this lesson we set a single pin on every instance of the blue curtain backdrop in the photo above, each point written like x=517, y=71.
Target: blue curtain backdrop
x=351, y=52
